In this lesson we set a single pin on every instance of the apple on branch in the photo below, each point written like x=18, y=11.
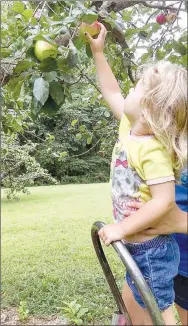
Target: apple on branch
x=44, y=50
x=93, y=29
x=161, y=19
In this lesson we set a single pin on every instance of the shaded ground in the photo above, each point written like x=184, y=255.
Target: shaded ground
x=11, y=317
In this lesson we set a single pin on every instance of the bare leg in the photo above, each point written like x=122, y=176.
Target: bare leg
x=140, y=316
x=183, y=314
x=136, y=313
x=168, y=316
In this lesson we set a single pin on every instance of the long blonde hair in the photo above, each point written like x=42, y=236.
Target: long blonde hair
x=165, y=107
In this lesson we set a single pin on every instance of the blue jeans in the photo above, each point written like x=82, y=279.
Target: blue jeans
x=158, y=260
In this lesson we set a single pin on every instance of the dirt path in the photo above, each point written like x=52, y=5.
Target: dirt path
x=10, y=317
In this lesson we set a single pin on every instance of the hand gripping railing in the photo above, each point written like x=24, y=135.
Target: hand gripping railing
x=122, y=317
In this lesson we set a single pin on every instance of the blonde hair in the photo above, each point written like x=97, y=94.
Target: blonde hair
x=165, y=108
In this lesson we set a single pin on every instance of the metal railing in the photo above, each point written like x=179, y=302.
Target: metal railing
x=122, y=317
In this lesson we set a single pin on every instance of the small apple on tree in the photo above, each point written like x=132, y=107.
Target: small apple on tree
x=44, y=50
x=161, y=19
x=93, y=29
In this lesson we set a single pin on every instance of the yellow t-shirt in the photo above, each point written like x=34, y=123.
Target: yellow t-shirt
x=137, y=163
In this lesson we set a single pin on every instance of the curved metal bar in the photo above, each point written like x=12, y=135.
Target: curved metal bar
x=135, y=273
x=107, y=271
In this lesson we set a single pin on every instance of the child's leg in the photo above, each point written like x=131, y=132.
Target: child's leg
x=140, y=316
x=136, y=313
x=168, y=316
x=183, y=314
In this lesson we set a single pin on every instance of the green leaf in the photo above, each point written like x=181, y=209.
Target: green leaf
x=24, y=65
x=72, y=57
x=14, y=86
x=82, y=312
x=78, y=321
x=130, y=32
x=48, y=64
x=27, y=13
x=78, y=136
x=68, y=93
x=88, y=51
x=63, y=154
x=78, y=43
x=41, y=90
x=35, y=108
x=74, y=122
x=30, y=54
x=89, y=18
x=155, y=27
x=107, y=114
x=110, y=21
x=82, y=128
x=146, y=56
x=17, y=125
x=55, y=154
x=68, y=20
x=50, y=76
x=62, y=63
x=89, y=140
x=126, y=15
x=179, y=47
x=160, y=54
x=57, y=92
x=5, y=53
x=143, y=35
x=184, y=60
x=113, y=15
x=18, y=7
x=50, y=107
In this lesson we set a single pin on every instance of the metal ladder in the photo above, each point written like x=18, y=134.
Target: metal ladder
x=121, y=317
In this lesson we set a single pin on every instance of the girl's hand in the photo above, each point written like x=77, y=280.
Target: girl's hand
x=97, y=45
x=134, y=206
x=173, y=222
x=110, y=233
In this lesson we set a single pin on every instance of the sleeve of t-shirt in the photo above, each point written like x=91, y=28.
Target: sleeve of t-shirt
x=156, y=165
x=124, y=126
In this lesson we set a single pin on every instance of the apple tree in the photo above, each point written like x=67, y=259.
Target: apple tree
x=46, y=60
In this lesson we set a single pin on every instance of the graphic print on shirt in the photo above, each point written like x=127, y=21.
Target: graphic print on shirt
x=125, y=183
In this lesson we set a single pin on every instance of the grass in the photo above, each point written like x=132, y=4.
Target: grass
x=47, y=252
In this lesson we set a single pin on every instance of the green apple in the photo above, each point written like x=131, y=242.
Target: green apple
x=93, y=29
x=44, y=50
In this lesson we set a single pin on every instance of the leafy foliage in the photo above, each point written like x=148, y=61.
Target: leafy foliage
x=74, y=312
x=23, y=311
x=61, y=91
x=19, y=169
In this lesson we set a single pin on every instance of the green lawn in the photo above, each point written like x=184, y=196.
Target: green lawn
x=47, y=252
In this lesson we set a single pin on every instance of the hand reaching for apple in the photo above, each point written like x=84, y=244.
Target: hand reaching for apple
x=97, y=45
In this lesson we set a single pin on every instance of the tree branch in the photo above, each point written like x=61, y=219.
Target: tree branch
x=179, y=8
x=154, y=13
x=117, y=5
x=150, y=5
x=91, y=82
x=123, y=4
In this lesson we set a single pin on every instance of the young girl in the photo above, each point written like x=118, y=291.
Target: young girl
x=174, y=222
x=149, y=152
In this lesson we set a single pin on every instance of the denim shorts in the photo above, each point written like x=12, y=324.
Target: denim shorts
x=158, y=260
